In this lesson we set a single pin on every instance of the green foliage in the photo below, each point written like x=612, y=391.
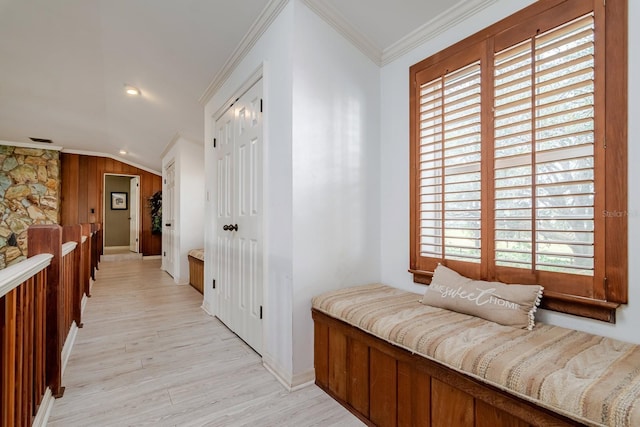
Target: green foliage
x=155, y=203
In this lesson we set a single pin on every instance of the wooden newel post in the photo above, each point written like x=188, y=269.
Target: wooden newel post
x=73, y=233
x=47, y=239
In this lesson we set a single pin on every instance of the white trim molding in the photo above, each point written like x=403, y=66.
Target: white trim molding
x=290, y=382
x=252, y=80
x=433, y=28
x=178, y=136
x=44, y=410
x=68, y=345
x=260, y=25
x=68, y=247
x=383, y=56
x=334, y=18
x=14, y=275
x=42, y=146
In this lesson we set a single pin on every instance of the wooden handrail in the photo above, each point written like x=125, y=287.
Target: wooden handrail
x=28, y=321
x=40, y=302
x=14, y=275
x=68, y=247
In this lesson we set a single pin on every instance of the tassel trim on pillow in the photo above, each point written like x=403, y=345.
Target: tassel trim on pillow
x=534, y=309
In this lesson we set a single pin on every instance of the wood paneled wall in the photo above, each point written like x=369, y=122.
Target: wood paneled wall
x=82, y=190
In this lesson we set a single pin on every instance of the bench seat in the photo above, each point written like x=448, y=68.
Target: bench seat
x=197, y=254
x=196, y=269
x=590, y=379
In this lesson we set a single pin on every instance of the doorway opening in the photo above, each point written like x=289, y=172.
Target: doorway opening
x=121, y=215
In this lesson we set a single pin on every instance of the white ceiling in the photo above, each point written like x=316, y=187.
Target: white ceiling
x=64, y=63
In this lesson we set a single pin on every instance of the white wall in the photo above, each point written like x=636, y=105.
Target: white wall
x=336, y=237
x=273, y=52
x=189, y=203
x=394, y=204
x=321, y=183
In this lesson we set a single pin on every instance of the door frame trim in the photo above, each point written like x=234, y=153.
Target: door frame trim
x=104, y=206
x=248, y=84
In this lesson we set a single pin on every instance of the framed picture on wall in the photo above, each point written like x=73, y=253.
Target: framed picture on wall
x=119, y=201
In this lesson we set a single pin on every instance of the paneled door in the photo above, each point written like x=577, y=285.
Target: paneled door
x=134, y=214
x=168, y=212
x=238, y=266
x=225, y=201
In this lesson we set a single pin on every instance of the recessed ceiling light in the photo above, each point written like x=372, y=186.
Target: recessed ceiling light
x=131, y=90
x=123, y=152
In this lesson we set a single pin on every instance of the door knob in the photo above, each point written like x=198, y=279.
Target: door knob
x=225, y=227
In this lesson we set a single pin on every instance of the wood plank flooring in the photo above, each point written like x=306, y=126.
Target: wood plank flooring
x=148, y=355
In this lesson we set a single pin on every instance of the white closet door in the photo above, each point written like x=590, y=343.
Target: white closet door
x=168, y=220
x=134, y=214
x=225, y=193
x=248, y=216
x=239, y=254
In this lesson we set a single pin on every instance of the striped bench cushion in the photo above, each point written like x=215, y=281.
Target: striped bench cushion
x=197, y=254
x=592, y=379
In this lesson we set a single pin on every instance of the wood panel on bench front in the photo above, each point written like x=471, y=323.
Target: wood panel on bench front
x=384, y=385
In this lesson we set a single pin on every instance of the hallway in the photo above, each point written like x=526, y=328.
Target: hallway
x=148, y=355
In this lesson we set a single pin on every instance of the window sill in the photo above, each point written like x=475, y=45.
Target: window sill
x=580, y=306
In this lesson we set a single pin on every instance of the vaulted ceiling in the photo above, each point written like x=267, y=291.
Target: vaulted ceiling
x=64, y=63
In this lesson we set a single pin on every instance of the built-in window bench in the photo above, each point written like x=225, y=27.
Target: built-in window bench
x=196, y=269
x=394, y=361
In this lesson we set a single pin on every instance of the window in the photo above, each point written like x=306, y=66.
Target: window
x=518, y=155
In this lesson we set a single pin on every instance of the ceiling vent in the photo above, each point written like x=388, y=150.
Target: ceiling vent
x=43, y=140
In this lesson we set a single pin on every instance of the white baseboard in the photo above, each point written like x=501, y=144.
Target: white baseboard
x=205, y=308
x=68, y=345
x=44, y=410
x=151, y=257
x=83, y=303
x=303, y=379
x=290, y=382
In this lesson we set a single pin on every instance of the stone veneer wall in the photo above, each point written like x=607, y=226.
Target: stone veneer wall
x=29, y=194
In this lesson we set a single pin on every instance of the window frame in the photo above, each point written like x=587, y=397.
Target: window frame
x=609, y=289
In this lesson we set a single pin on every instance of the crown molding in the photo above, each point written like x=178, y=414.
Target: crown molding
x=259, y=26
x=111, y=156
x=436, y=26
x=177, y=137
x=31, y=145
x=334, y=18
x=171, y=144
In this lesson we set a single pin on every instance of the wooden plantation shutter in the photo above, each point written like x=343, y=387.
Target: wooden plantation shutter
x=544, y=170
x=512, y=176
x=448, y=112
x=450, y=166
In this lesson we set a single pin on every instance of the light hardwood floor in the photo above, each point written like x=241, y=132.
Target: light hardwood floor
x=148, y=355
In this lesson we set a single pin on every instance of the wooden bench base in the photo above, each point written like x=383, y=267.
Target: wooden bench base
x=196, y=273
x=385, y=385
